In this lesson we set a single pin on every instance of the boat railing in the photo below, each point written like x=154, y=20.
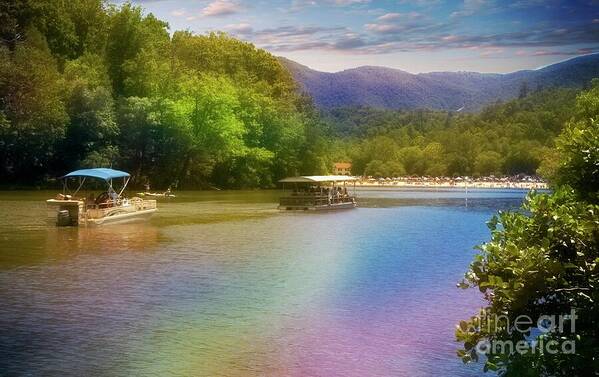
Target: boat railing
x=141, y=204
x=135, y=202
x=314, y=200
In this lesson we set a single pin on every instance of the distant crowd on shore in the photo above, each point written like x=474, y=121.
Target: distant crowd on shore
x=519, y=181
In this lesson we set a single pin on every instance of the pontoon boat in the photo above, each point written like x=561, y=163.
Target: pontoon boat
x=107, y=208
x=317, y=192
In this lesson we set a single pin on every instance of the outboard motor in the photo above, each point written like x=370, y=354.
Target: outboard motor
x=63, y=218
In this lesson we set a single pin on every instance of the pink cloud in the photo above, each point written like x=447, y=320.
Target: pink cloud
x=221, y=8
x=240, y=28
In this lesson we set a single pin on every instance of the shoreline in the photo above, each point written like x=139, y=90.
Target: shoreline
x=462, y=185
x=399, y=183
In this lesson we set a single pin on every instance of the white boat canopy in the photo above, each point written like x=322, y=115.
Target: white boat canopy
x=318, y=179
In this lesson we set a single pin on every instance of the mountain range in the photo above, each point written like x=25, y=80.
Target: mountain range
x=389, y=88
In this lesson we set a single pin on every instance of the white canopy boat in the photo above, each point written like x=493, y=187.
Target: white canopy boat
x=317, y=192
x=107, y=208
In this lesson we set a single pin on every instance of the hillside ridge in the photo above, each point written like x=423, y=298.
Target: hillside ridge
x=391, y=88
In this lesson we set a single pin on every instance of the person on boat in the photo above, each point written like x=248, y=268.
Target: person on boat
x=107, y=198
x=104, y=199
x=147, y=186
x=113, y=195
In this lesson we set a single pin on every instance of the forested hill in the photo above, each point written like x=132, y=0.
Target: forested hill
x=84, y=83
x=389, y=88
x=503, y=139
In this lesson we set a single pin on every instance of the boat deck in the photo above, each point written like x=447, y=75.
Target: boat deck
x=81, y=213
x=306, y=202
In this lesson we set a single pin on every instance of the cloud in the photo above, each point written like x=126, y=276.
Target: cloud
x=421, y=3
x=523, y=4
x=349, y=42
x=292, y=31
x=178, y=12
x=297, y=5
x=491, y=51
x=470, y=7
x=241, y=28
x=392, y=31
x=544, y=52
x=221, y=8
x=383, y=28
x=350, y=2
x=399, y=16
x=410, y=23
x=298, y=38
x=389, y=16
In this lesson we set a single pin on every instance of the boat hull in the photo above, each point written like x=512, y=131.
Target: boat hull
x=75, y=213
x=123, y=218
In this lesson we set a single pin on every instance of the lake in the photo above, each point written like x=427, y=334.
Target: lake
x=223, y=284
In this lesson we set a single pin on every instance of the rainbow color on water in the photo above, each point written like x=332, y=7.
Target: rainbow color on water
x=364, y=292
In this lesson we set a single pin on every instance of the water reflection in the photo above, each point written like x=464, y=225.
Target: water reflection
x=52, y=244
x=224, y=284
x=138, y=237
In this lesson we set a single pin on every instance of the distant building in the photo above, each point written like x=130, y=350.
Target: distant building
x=342, y=168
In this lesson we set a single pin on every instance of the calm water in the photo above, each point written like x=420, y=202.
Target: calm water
x=222, y=284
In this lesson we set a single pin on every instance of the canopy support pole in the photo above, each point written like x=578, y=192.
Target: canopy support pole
x=125, y=183
x=81, y=182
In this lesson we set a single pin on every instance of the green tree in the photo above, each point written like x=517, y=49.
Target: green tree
x=394, y=169
x=413, y=160
x=130, y=34
x=521, y=159
x=92, y=127
x=209, y=106
x=458, y=165
x=579, y=146
x=375, y=168
x=434, y=155
x=543, y=261
x=523, y=90
x=549, y=164
x=31, y=89
x=487, y=163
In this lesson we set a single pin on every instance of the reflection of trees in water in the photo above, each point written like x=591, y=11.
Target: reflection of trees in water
x=101, y=239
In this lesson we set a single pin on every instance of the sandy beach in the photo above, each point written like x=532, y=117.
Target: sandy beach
x=454, y=183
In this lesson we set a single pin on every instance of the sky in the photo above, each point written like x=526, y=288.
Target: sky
x=411, y=35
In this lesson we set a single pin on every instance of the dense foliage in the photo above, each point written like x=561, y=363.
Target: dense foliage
x=83, y=83
x=504, y=139
x=543, y=262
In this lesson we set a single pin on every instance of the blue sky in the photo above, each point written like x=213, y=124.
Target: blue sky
x=412, y=35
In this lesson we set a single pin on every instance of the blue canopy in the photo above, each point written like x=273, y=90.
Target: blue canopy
x=102, y=173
